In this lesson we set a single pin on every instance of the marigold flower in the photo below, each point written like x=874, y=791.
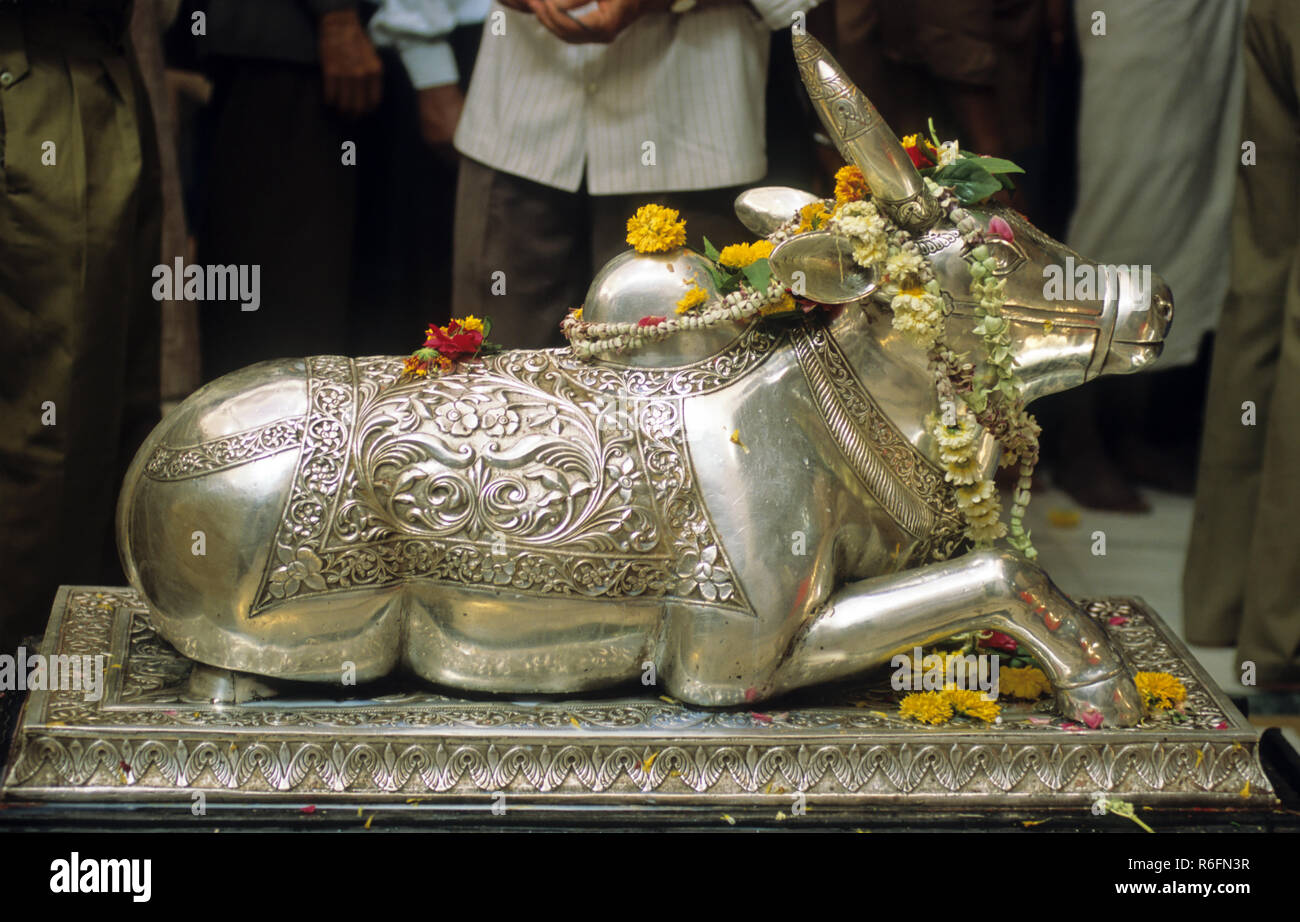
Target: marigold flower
x=1160, y=689
x=470, y=322
x=783, y=306
x=736, y=256
x=693, y=298
x=656, y=229
x=812, y=217
x=850, y=185
x=972, y=704
x=1027, y=682
x=926, y=707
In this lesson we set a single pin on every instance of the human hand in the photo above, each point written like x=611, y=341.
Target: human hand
x=440, y=108
x=601, y=25
x=349, y=64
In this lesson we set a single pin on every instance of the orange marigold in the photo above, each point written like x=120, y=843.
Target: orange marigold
x=850, y=185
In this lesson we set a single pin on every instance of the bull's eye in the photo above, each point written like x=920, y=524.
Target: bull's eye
x=1007, y=257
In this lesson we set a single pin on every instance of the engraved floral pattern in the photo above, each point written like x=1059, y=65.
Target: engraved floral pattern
x=506, y=475
x=701, y=572
x=302, y=568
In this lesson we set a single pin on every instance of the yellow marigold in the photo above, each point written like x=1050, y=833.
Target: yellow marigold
x=695, y=296
x=470, y=322
x=577, y=313
x=911, y=140
x=812, y=217
x=784, y=306
x=656, y=229
x=736, y=256
x=850, y=185
x=926, y=707
x=1160, y=689
x=1027, y=683
x=972, y=704
x=415, y=367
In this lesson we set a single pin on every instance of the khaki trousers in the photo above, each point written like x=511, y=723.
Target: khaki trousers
x=79, y=225
x=1242, y=580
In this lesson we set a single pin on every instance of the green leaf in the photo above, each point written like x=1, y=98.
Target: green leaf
x=961, y=171
x=759, y=274
x=968, y=179
x=710, y=250
x=487, y=328
x=719, y=279
x=972, y=193
x=934, y=135
x=998, y=165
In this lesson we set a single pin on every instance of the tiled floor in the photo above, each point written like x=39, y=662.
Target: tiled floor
x=1143, y=557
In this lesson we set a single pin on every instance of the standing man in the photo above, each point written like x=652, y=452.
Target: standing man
x=331, y=170
x=80, y=205
x=579, y=112
x=1241, y=584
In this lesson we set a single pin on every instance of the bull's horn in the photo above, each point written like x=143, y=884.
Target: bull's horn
x=863, y=138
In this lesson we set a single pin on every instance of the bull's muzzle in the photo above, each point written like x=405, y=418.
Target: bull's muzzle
x=1144, y=311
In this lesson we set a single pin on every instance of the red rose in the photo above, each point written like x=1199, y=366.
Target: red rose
x=452, y=342
x=996, y=640
x=919, y=159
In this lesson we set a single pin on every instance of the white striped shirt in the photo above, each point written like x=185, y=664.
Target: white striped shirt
x=675, y=102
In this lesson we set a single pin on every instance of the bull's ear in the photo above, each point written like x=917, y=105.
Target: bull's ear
x=863, y=138
x=766, y=208
x=820, y=267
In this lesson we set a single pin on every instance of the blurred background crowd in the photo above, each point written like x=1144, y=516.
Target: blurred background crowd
x=381, y=160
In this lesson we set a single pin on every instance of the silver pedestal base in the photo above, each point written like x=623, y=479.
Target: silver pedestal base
x=148, y=739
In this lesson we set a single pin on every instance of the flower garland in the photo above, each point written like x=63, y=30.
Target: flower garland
x=746, y=289
x=588, y=339
x=908, y=280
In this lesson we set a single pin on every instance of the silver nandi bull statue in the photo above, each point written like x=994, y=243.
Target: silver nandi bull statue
x=754, y=508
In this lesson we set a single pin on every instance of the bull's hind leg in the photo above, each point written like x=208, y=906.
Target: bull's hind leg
x=866, y=623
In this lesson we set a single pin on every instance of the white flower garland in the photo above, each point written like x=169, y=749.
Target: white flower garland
x=917, y=306
x=588, y=339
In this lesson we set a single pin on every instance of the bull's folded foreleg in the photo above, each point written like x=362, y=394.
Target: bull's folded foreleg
x=866, y=623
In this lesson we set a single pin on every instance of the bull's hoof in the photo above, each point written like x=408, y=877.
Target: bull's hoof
x=1111, y=702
